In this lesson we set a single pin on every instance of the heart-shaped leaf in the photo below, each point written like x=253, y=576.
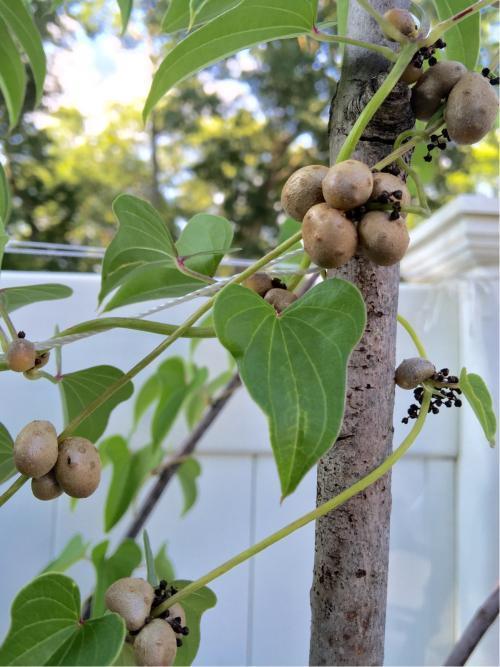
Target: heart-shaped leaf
x=7, y=467
x=249, y=22
x=79, y=389
x=194, y=606
x=46, y=628
x=17, y=297
x=122, y=563
x=141, y=259
x=294, y=365
x=477, y=394
x=75, y=550
x=188, y=474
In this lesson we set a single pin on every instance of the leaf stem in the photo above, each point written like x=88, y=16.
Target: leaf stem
x=106, y=323
x=6, y=318
x=442, y=27
x=180, y=263
x=384, y=51
x=4, y=341
x=408, y=145
x=323, y=509
x=13, y=488
x=296, y=279
x=413, y=335
x=376, y=101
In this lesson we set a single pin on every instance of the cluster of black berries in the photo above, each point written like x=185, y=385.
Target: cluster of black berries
x=278, y=284
x=448, y=395
x=162, y=592
x=488, y=74
x=437, y=141
x=427, y=53
x=392, y=199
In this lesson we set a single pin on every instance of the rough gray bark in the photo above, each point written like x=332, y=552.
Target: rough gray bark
x=349, y=591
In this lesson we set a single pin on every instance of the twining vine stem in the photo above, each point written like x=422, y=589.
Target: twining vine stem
x=327, y=507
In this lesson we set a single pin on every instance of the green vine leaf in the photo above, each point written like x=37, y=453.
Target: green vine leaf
x=18, y=297
x=7, y=467
x=248, y=23
x=294, y=365
x=125, y=11
x=150, y=561
x=5, y=200
x=46, y=629
x=477, y=394
x=194, y=605
x=79, y=389
x=23, y=27
x=181, y=14
x=122, y=563
x=463, y=40
x=75, y=550
x=188, y=474
x=163, y=564
x=140, y=262
x=12, y=75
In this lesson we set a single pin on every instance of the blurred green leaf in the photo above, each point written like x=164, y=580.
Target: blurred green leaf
x=5, y=200
x=463, y=40
x=12, y=75
x=163, y=565
x=7, y=467
x=79, y=389
x=150, y=561
x=194, y=606
x=188, y=474
x=23, y=27
x=308, y=345
x=75, y=550
x=46, y=629
x=125, y=11
x=147, y=395
x=126, y=657
x=141, y=259
x=122, y=563
x=250, y=22
x=477, y=394
x=18, y=297
x=179, y=15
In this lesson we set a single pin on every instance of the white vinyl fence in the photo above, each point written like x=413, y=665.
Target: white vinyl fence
x=444, y=541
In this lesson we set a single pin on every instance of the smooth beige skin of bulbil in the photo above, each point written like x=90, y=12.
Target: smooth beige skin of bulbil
x=330, y=239
x=383, y=241
x=471, y=109
x=78, y=467
x=435, y=84
x=156, y=644
x=21, y=355
x=404, y=21
x=46, y=487
x=259, y=282
x=302, y=190
x=384, y=182
x=348, y=185
x=131, y=598
x=280, y=298
x=412, y=372
x=35, y=448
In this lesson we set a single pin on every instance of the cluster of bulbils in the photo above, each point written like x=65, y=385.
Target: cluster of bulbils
x=414, y=372
x=334, y=208
x=271, y=290
x=73, y=467
x=154, y=640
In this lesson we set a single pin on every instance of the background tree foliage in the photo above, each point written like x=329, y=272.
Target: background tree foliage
x=202, y=151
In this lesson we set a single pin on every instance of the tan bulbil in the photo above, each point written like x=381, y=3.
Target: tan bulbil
x=46, y=487
x=259, y=282
x=348, y=185
x=471, y=109
x=21, y=355
x=384, y=241
x=78, y=467
x=412, y=372
x=330, y=239
x=411, y=74
x=156, y=644
x=302, y=190
x=404, y=21
x=35, y=448
x=131, y=598
x=280, y=298
x=433, y=86
x=388, y=183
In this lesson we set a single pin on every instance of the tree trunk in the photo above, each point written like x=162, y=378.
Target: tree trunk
x=349, y=591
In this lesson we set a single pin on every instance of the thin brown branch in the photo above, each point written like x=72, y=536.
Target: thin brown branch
x=475, y=631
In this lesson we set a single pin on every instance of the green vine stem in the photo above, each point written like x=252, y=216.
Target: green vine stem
x=106, y=323
x=384, y=51
x=408, y=146
x=327, y=507
x=13, y=488
x=413, y=335
x=179, y=331
x=4, y=314
x=296, y=279
x=4, y=341
x=405, y=56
